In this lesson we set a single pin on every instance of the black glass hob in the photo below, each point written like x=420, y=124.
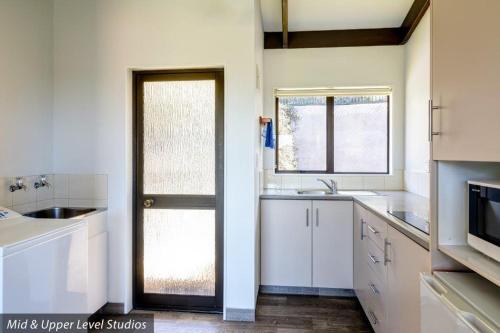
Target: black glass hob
x=411, y=219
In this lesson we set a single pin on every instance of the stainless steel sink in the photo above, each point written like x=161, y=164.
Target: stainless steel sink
x=60, y=213
x=315, y=192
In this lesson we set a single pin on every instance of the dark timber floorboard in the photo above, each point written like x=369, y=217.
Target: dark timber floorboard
x=275, y=314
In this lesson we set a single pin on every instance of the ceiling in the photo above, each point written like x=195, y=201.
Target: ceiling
x=312, y=15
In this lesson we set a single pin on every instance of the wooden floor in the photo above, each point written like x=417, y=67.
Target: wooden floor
x=275, y=314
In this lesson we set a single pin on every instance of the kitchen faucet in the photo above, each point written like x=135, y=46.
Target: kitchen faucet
x=42, y=182
x=331, y=184
x=18, y=185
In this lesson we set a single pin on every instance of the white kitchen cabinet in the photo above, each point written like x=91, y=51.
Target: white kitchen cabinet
x=465, y=72
x=458, y=302
x=332, y=244
x=46, y=274
x=406, y=260
x=286, y=243
x=97, y=262
x=97, y=291
x=386, y=274
x=358, y=250
x=307, y=243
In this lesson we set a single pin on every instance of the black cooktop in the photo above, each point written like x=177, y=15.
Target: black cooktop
x=411, y=219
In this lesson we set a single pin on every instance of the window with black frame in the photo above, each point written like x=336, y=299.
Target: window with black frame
x=333, y=134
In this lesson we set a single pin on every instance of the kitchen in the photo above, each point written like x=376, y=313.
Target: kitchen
x=219, y=209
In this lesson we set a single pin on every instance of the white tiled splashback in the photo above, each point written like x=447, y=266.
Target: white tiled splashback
x=65, y=190
x=393, y=181
x=417, y=182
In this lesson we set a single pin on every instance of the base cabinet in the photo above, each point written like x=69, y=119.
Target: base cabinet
x=386, y=274
x=97, y=295
x=307, y=243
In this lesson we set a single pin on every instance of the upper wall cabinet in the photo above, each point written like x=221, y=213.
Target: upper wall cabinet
x=465, y=80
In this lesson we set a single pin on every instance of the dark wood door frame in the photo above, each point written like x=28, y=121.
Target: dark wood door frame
x=180, y=302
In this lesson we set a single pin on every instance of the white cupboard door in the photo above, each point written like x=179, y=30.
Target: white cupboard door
x=407, y=261
x=437, y=317
x=333, y=244
x=465, y=84
x=358, y=235
x=286, y=243
x=98, y=281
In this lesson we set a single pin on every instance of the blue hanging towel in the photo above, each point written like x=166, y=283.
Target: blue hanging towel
x=269, y=135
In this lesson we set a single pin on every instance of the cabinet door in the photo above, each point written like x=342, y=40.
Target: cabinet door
x=332, y=244
x=407, y=261
x=286, y=243
x=98, y=275
x=358, y=249
x=465, y=85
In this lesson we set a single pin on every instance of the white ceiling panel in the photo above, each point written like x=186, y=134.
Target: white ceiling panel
x=310, y=15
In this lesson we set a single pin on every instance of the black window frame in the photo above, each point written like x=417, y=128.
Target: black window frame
x=330, y=119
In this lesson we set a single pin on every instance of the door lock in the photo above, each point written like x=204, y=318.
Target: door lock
x=148, y=203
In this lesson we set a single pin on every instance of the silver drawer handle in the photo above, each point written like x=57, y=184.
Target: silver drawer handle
x=373, y=259
x=374, y=289
x=373, y=318
x=372, y=229
x=362, y=227
x=386, y=252
x=307, y=217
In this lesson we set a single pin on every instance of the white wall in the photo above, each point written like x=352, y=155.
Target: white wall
x=25, y=87
x=418, y=74
x=259, y=101
x=97, y=43
x=338, y=67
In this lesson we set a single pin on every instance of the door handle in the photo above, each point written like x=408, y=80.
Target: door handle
x=362, y=226
x=307, y=217
x=386, y=252
x=148, y=203
x=431, y=120
x=317, y=217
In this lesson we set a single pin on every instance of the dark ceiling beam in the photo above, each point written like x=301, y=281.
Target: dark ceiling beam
x=346, y=38
x=284, y=22
x=334, y=38
x=412, y=19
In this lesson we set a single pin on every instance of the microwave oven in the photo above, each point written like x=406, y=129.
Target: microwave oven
x=484, y=217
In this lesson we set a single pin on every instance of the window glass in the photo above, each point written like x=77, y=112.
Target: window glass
x=302, y=134
x=360, y=134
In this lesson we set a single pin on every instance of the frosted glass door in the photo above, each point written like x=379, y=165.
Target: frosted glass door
x=179, y=189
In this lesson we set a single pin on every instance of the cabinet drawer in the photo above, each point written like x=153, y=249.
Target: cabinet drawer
x=377, y=291
x=375, y=259
x=376, y=318
x=375, y=229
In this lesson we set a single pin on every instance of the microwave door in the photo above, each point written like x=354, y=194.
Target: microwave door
x=484, y=219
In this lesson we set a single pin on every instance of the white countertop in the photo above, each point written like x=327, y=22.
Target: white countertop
x=21, y=229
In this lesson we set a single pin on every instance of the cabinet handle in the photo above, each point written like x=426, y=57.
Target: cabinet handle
x=431, y=120
x=374, y=289
x=372, y=229
x=373, y=318
x=373, y=258
x=362, y=227
x=317, y=217
x=386, y=252
x=307, y=217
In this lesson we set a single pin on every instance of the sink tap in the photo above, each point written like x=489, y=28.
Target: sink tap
x=42, y=182
x=331, y=184
x=19, y=185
